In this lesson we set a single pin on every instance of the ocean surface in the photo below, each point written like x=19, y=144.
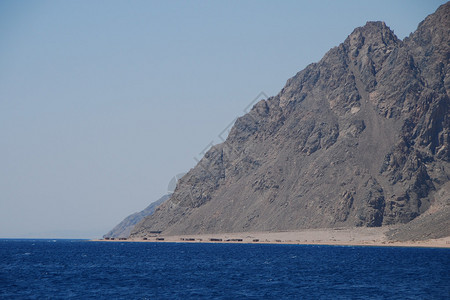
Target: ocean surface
x=60, y=269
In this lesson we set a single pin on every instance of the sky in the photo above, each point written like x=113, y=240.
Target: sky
x=102, y=103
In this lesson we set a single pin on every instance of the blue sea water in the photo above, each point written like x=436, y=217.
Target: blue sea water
x=60, y=269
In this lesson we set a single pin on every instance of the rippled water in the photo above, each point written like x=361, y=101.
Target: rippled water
x=80, y=269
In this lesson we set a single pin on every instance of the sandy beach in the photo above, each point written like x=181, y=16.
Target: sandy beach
x=339, y=236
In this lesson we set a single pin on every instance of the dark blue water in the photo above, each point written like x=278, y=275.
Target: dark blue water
x=42, y=269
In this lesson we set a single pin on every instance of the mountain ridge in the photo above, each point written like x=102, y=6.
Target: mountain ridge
x=360, y=138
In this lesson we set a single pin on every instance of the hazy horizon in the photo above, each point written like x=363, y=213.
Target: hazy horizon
x=102, y=103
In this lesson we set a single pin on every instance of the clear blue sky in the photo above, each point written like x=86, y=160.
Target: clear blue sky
x=103, y=102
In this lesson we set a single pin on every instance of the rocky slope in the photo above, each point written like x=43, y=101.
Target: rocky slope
x=360, y=138
x=123, y=229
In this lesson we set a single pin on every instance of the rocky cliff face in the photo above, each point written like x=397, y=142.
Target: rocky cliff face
x=123, y=229
x=360, y=138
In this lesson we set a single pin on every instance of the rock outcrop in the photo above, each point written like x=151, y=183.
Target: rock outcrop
x=360, y=138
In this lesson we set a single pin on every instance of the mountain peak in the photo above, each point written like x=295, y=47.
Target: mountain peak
x=371, y=36
x=373, y=27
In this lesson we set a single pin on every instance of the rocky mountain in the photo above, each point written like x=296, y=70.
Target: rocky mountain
x=123, y=229
x=360, y=138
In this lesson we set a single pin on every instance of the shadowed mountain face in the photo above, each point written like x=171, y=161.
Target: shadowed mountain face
x=360, y=138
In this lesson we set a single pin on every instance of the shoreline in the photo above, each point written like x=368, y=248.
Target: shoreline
x=332, y=237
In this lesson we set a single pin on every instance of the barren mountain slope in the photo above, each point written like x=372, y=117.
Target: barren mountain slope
x=360, y=138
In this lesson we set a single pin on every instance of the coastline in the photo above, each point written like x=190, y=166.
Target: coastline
x=361, y=236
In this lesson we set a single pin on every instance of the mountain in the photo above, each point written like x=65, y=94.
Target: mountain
x=360, y=138
x=123, y=229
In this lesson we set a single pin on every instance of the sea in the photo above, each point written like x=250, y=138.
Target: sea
x=79, y=269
